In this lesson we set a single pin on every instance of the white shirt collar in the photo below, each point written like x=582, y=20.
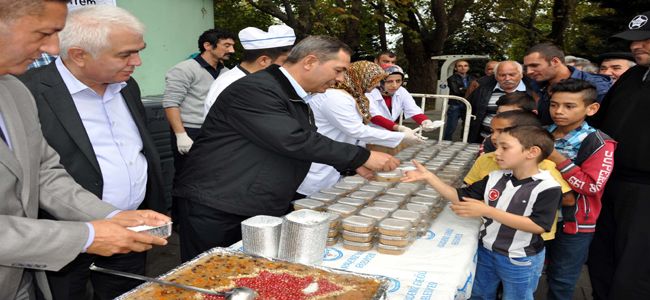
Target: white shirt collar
x=76, y=86
x=299, y=90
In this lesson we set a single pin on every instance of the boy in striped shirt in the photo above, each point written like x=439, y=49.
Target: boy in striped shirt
x=517, y=204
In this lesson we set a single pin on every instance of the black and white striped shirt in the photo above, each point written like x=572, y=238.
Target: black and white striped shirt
x=537, y=197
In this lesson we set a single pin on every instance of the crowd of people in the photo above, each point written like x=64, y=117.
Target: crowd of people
x=560, y=180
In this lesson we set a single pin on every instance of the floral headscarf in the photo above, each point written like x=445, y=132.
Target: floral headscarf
x=361, y=76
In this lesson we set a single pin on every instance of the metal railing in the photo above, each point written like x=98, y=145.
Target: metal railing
x=443, y=116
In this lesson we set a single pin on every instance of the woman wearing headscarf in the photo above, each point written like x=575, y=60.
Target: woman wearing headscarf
x=342, y=113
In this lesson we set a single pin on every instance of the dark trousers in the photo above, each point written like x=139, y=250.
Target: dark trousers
x=179, y=159
x=619, y=267
x=203, y=228
x=193, y=133
x=71, y=281
x=566, y=254
x=455, y=112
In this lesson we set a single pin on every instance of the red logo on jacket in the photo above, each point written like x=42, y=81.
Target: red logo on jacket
x=493, y=195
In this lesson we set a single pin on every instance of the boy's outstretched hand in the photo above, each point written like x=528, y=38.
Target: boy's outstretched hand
x=470, y=208
x=421, y=173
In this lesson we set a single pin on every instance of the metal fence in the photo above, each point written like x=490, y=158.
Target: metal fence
x=443, y=117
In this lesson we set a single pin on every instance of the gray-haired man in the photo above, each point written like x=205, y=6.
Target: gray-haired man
x=92, y=115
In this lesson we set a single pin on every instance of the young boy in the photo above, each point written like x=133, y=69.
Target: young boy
x=486, y=163
x=516, y=101
x=508, y=102
x=517, y=204
x=585, y=157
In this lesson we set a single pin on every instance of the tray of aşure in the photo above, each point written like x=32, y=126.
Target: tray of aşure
x=222, y=269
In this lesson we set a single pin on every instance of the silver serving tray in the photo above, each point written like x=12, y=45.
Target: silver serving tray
x=380, y=294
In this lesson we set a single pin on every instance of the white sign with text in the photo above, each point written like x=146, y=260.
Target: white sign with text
x=72, y=4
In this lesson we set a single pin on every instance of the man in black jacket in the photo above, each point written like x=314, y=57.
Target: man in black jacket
x=618, y=258
x=256, y=148
x=508, y=78
x=458, y=84
x=91, y=113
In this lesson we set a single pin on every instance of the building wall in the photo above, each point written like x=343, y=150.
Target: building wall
x=173, y=27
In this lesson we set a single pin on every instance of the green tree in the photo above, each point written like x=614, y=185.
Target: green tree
x=479, y=34
x=352, y=21
x=584, y=39
x=613, y=17
x=236, y=15
x=510, y=27
x=425, y=27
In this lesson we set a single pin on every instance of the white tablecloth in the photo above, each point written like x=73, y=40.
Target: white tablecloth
x=439, y=265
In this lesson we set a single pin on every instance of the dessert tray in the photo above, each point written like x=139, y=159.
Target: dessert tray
x=223, y=269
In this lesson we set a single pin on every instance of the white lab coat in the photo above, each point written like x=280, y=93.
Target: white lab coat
x=337, y=118
x=220, y=84
x=402, y=102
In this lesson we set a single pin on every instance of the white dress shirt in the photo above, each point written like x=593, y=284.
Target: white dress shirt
x=115, y=140
x=220, y=84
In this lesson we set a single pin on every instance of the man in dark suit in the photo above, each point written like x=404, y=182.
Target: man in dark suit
x=508, y=78
x=92, y=115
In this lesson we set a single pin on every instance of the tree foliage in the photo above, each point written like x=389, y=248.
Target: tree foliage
x=236, y=15
x=613, y=17
x=424, y=28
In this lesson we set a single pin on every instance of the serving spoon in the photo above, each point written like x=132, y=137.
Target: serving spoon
x=238, y=293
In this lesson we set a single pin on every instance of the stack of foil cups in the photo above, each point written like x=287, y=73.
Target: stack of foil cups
x=303, y=237
x=261, y=235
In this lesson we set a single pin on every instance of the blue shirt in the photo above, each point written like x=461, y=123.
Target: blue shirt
x=115, y=140
x=569, y=145
x=44, y=60
x=601, y=82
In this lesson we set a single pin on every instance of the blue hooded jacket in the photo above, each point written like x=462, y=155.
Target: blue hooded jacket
x=601, y=82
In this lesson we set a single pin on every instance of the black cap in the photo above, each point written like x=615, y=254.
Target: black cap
x=639, y=28
x=615, y=55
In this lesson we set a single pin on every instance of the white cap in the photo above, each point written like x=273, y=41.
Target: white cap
x=252, y=38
